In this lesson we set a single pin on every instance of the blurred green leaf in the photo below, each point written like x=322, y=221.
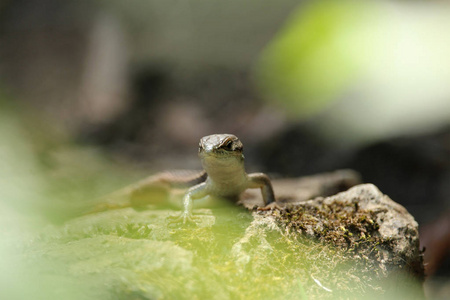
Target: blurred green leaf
x=316, y=56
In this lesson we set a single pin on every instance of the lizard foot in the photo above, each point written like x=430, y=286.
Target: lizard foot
x=183, y=220
x=272, y=206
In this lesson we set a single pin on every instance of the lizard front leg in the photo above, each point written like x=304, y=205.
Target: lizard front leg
x=262, y=181
x=196, y=192
x=155, y=189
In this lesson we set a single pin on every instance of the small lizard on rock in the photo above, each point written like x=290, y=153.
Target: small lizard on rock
x=223, y=176
x=223, y=162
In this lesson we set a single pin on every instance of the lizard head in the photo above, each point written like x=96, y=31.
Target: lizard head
x=221, y=155
x=222, y=158
x=220, y=145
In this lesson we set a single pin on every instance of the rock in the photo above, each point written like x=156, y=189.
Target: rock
x=367, y=223
x=377, y=215
x=355, y=244
x=303, y=188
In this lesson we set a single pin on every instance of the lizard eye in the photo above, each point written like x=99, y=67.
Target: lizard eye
x=228, y=145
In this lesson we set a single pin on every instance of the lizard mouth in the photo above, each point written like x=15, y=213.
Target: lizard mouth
x=220, y=153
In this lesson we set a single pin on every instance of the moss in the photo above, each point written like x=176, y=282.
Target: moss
x=354, y=232
x=302, y=252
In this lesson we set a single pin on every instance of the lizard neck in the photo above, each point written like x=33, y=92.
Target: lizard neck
x=225, y=171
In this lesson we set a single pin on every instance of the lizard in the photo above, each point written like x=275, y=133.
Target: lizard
x=222, y=159
x=223, y=176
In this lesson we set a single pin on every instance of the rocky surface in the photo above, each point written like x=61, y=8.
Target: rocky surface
x=357, y=243
x=365, y=222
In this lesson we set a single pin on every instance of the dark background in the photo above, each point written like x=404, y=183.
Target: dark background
x=142, y=81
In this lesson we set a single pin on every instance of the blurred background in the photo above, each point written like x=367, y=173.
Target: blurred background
x=98, y=94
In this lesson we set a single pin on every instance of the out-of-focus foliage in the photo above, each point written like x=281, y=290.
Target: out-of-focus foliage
x=370, y=69
x=316, y=55
x=21, y=189
x=41, y=181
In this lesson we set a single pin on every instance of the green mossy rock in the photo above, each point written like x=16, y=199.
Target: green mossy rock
x=356, y=244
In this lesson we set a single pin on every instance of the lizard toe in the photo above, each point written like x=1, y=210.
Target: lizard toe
x=183, y=220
